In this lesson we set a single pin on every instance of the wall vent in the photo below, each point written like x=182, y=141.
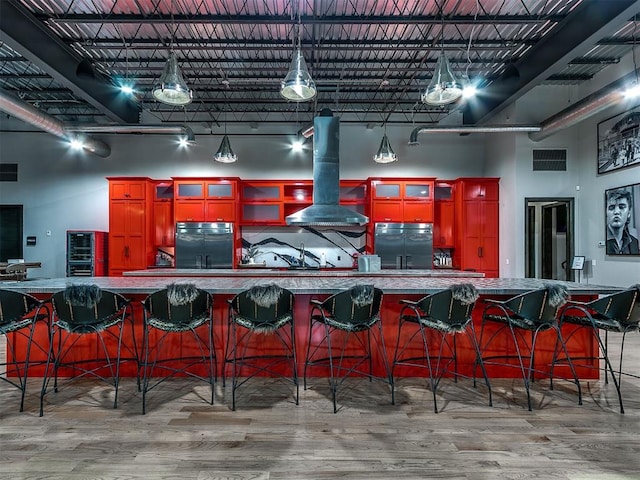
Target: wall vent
x=8, y=172
x=545, y=160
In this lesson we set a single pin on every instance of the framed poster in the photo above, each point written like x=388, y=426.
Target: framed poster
x=622, y=220
x=619, y=141
x=578, y=263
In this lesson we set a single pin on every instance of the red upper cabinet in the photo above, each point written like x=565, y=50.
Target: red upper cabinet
x=127, y=189
x=205, y=199
x=261, y=202
x=399, y=200
x=477, y=213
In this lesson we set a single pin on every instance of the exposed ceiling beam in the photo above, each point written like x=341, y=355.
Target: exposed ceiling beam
x=590, y=21
x=88, y=18
x=26, y=35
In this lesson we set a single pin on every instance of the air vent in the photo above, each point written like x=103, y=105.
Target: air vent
x=549, y=160
x=8, y=172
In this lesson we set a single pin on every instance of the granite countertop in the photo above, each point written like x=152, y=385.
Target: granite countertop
x=284, y=272
x=232, y=284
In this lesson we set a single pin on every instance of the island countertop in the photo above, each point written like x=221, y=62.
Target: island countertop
x=303, y=272
x=232, y=284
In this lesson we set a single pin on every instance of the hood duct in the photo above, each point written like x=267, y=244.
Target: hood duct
x=326, y=209
x=29, y=114
x=183, y=130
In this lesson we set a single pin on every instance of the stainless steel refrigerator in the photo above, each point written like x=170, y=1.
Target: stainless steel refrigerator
x=404, y=245
x=204, y=245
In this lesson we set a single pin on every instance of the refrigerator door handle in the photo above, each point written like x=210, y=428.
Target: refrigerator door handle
x=206, y=262
x=399, y=265
x=198, y=261
x=407, y=262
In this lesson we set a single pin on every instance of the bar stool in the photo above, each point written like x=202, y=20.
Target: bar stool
x=263, y=311
x=531, y=312
x=346, y=319
x=20, y=316
x=618, y=312
x=83, y=311
x=179, y=312
x=438, y=320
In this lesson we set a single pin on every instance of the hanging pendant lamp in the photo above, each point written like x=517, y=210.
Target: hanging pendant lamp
x=225, y=153
x=444, y=88
x=385, y=152
x=171, y=87
x=298, y=86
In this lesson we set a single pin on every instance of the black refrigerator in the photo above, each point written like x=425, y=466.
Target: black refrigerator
x=404, y=245
x=204, y=245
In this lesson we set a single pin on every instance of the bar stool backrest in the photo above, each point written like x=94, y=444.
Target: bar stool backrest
x=14, y=306
x=84, y=317
x=618, y=306
x=170, y=311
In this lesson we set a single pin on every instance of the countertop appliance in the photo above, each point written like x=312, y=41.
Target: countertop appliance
x=404, y=245
x=204, y=245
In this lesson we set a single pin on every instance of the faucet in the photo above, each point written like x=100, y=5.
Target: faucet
x=302, y=254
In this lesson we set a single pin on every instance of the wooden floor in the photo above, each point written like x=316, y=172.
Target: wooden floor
x=269, y=437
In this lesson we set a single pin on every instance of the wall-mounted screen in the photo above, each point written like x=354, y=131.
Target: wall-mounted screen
x=622, y=219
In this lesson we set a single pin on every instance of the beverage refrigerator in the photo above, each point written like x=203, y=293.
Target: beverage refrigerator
x=86, y=253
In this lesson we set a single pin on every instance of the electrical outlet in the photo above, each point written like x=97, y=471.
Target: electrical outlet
x=593, y=262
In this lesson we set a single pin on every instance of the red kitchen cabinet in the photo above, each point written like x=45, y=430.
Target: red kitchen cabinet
x=443, y=225
x=261, y=203
x=395, y=200
x=164, y=226
x=220, y=211
x=131, y=236
x=205, y=200
x=476, y=211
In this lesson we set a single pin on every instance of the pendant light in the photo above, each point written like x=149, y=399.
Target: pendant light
x=225, y=153
x=385, y=152
x=171, y=87
x=298, y=86
x=444, y=88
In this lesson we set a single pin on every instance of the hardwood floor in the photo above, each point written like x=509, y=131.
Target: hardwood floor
x=269, y=437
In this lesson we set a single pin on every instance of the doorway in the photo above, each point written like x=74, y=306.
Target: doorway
x=549, y=238
x=10, y=232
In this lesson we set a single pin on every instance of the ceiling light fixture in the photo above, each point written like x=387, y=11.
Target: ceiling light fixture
x=171, y=87
x=298, y=86
x=225, y=153
x=444, y=88
x=385, y=152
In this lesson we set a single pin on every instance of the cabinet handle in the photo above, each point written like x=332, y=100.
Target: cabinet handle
x=127, y=195
x=126, y=251
x=480, y=252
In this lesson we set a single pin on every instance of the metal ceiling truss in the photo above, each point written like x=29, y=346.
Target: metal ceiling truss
x=369, y=58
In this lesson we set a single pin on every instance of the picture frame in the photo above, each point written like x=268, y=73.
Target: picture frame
x=619, y=141
x=622, y=220
x=577, y=263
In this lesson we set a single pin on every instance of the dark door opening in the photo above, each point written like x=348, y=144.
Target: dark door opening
x=549, y=238
x=10, y=232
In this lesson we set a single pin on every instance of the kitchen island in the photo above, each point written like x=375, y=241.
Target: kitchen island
x=396, y=286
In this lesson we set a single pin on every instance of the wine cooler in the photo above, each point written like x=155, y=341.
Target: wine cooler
x=86, y=253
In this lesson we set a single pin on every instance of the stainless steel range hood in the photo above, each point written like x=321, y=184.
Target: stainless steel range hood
x=326, y=210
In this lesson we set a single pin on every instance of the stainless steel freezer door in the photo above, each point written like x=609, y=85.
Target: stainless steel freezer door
x=204, y=245
x=404, y=245
x=418, y=244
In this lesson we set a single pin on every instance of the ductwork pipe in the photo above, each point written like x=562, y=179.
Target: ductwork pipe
x=177, y=129
x=29, y=114
x=413, y=138
x=585, y=108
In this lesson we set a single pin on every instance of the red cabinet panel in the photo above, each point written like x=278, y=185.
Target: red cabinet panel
x=220, y=211
x=189, y=211
x=476, y=210
x=443, y=223
x=417, y=212
x=164, y=226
